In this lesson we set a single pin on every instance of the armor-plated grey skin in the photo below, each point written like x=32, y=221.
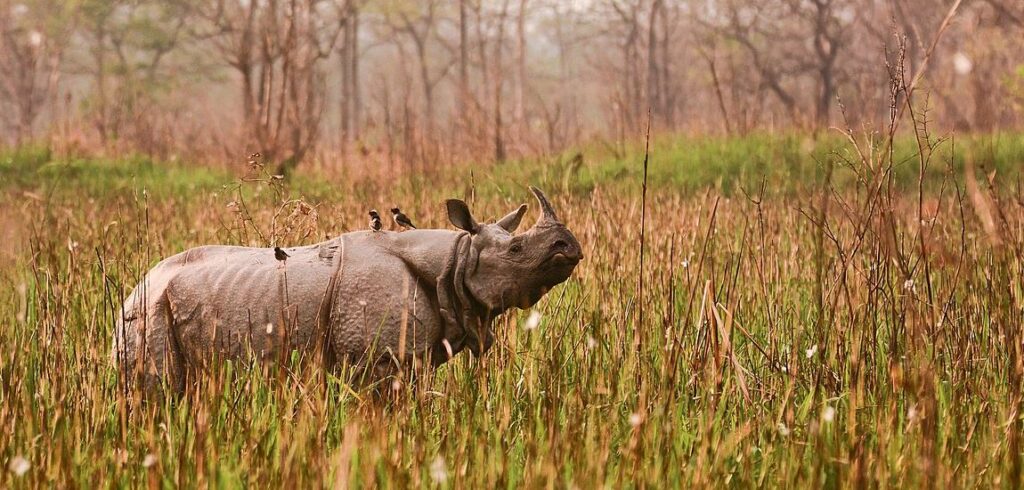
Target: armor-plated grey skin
x=365, y=298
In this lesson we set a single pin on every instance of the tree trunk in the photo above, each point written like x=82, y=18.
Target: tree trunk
x=825, y=99
x=518, y=103
x=350, y=96
x=101, y=83
x=354, y=91
x=463, y=61
x=499, y=78
x=668, y=92
x=654, y=103
x=345, y=113
x=428, y=85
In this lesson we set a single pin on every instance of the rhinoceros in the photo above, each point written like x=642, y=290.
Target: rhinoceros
x=366, y=299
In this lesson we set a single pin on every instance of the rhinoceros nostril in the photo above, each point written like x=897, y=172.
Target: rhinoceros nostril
x=560, y=245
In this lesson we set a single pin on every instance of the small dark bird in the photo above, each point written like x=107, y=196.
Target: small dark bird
x=401, y=219
x=280, y=254
x=375, y=223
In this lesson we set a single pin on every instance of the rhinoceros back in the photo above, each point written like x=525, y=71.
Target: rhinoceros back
x=226, y=300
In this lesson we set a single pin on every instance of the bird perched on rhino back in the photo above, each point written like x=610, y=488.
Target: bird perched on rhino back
x=375, y=223
x=376, y=302
x=401, y=219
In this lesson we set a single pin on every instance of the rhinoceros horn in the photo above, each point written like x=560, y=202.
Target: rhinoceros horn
x=548, y=215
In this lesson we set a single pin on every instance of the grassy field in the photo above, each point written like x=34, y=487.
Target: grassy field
x=782, y=332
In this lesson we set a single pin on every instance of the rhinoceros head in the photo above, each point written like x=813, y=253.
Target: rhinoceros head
x=508, y=270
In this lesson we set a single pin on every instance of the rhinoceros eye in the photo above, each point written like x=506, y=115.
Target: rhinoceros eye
x=515, y=248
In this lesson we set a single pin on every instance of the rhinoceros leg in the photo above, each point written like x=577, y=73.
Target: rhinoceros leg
x=165, y=351
x=147, y=351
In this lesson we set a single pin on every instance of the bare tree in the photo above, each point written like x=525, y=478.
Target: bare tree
x=627, y=29
x=32, y=41
x=828, y=38
x=482, y=80
x=351, y=98
x=518, y=98
x=277, y=48
x=1009, y=11
x=498, y=77
x=791, y=43
x=419, y=27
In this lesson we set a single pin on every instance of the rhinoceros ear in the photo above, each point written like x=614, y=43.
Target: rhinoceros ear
x=459, y=215
x=511, y=220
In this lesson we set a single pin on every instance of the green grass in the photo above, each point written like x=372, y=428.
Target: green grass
x=38, y=171
x=735, y=377
x=786, y=163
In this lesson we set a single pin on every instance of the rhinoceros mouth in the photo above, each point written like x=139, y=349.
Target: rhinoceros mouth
x=561, y=259
x=559, y=269
x=568, y=259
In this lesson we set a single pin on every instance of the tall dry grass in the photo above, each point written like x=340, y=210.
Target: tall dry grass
x=836, y=336
x=844, y=326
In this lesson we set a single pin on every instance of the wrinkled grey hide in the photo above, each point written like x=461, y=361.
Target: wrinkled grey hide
x=346, y=299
